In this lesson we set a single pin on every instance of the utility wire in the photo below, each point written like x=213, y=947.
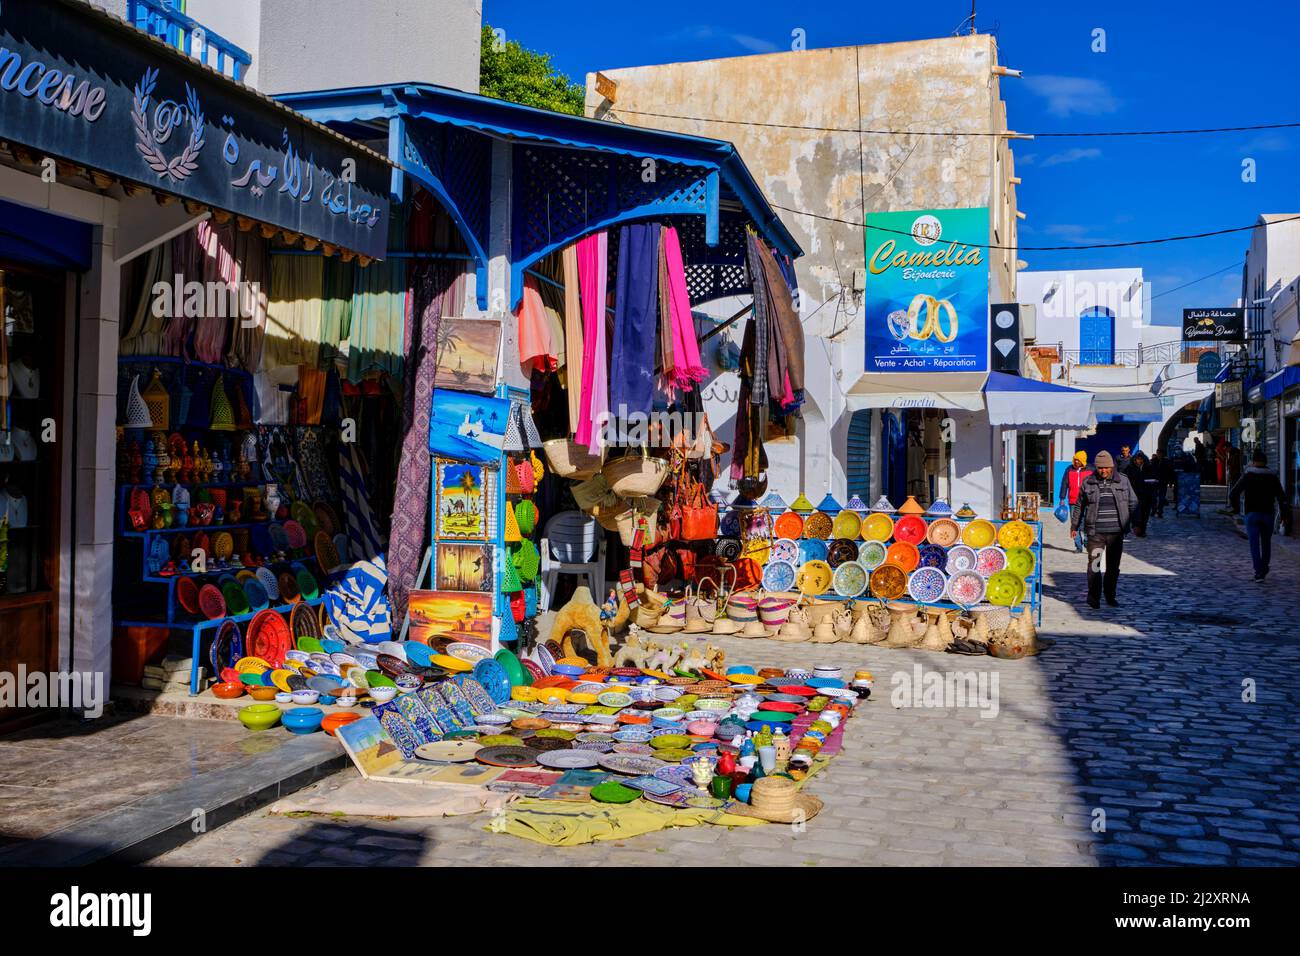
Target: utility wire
x=1095, y=245
x=911, y=132
x=1194, y=281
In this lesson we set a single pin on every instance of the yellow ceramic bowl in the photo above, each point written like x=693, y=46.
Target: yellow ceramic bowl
x=979, y=533
x=280, y=678
x=582, y=698
x=847, y=524
x=744, y=678
x=814, y=577
x=252, y=665
x=877, y=527
x=522, y=693
x=1015, y=534
x=551, y=695
x=451, y=663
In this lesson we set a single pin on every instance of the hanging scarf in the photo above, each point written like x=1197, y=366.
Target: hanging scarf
x=785, y=363
x=631, y=381
x=686, y=369
x=436, y=289
x=537, y=349
x=758, y=393
x=573, y=340
x=593, y=260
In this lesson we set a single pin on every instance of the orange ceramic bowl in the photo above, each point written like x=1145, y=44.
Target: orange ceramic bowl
x=263, y=693
x=904, y=554
x=229, y=690
x=333, y=722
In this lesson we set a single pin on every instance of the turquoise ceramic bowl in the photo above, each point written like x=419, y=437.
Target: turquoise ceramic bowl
x=303, y=720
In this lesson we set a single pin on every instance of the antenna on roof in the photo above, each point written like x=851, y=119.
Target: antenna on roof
x=969, y=20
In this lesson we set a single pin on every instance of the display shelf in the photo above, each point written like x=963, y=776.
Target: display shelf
x=197, y=628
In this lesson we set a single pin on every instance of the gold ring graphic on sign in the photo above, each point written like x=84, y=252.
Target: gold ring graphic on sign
x=933, y=308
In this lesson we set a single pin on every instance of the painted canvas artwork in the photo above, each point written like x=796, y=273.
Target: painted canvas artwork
x=467, y=354
x=463, y=567
x=457, y=615
x=466, y=426
x=466, y=497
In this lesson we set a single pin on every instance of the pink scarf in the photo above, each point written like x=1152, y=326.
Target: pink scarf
x=593, y=258
x=685, y=369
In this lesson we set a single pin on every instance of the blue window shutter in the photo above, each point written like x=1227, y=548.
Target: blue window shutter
x=859, y=453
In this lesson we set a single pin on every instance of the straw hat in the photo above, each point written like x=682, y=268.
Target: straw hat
x=777, y=800
x=753, y=629
x=697, y=625
x=725, y=625
x=824, y=632
x=793, y=632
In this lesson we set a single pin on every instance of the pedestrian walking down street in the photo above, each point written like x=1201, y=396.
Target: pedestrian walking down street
x=1264, y=497
x=1166, y=476
x=1142, y=478
x=1107, y=504
x=1125, y=459
x=1069, y=492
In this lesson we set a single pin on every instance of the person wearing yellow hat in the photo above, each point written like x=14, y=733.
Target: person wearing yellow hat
x=1071, y=482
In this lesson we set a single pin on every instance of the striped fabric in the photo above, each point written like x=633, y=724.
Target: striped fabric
x=357, y=605
x=363, y=536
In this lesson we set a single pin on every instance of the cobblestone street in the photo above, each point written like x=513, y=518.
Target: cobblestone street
x=1161, y=732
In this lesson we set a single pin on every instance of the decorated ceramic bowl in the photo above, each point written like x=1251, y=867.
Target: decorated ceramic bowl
x=910, y=528
x=812, y=549
x=933, y=556
x=961, y=557
x=785, y=549
x=850, y=578
x=943, y=532
x=979, y=533
x=779, y=576
x=990, y=560
x=841, y=550
x=966, y=587
x=926, y=585
x=904, y=554
x=1021, y=562
x=877, y=527
x=847, y=524
x=1005, y=589
x=1016, y=534
x=871, y=554
x=814, y=577
x=888, y=582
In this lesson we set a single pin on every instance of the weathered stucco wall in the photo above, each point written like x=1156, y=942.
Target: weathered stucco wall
x=822, y=175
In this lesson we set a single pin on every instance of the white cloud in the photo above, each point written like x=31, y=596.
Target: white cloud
x=1071, y=156
x=1067, y=95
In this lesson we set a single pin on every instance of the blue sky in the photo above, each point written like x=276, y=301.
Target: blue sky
x=1199, y=64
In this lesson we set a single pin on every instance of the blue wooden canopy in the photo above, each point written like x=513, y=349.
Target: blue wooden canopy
x=571, y=176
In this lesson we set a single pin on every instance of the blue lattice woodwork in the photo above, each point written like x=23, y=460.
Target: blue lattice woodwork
x=715, y=271
x=563, y=194
x=455, y=164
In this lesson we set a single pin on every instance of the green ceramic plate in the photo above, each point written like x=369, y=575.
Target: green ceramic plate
x=501, y=740
x=514, y=670
x=376, y=679
x=1020, y=562
x=613, y=793
x=772, y=716
x=671, y=742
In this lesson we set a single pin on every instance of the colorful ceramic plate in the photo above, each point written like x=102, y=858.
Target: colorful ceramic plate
x=778, y=576
x=841, y=550
x=961, y=558
x=990, y=560
x=514, y=670
x=507, y=756
x=966, y=588
x=670, y=741
x=545, y=659
x=449, y=751
x=888, y=582
x=817, y=525
x=877, y=527
x=814, y=578
x=944, y=532
x=611, y=792
x=847, y=524
x=1021, y=562
x=979, y=533
x=871, y=554
x=569, y=759
x=926, y=585
x=464, y=651
x=812, y=549
x=933, y=556
x=454, y=664
x=783, y=549
x=904, y=554
x=614, y=698
x=788, y=524
x=1005, y=589
x=1015, y=534
x=494, y=678
x=851, y=577
x=910, y=528
x=630, y=764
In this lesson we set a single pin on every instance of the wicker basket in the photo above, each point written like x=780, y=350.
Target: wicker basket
x=571, y=460
x=635, y=476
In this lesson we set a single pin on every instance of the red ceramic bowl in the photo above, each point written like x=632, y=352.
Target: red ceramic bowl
x=228, y=690
x=910, y=528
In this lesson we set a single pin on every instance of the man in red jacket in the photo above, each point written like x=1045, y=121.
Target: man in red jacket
x=1071, y=481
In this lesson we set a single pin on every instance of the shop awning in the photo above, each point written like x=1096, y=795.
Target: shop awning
x=957, y=390
x=1127, y=407
x=1016, y=402
x=1278, y=382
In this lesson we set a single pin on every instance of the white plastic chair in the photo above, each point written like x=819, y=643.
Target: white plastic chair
x=572, y=543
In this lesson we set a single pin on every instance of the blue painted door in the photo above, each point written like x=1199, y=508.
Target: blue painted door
x=1097, y=337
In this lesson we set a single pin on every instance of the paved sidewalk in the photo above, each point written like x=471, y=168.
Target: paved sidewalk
x=1161, y=732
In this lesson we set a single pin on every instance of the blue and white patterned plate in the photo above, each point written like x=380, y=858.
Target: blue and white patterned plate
x=871, y=554
x=494, y=679
x=927, y=584
x=778, y=576
x=784, y=549
x=961, y=557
